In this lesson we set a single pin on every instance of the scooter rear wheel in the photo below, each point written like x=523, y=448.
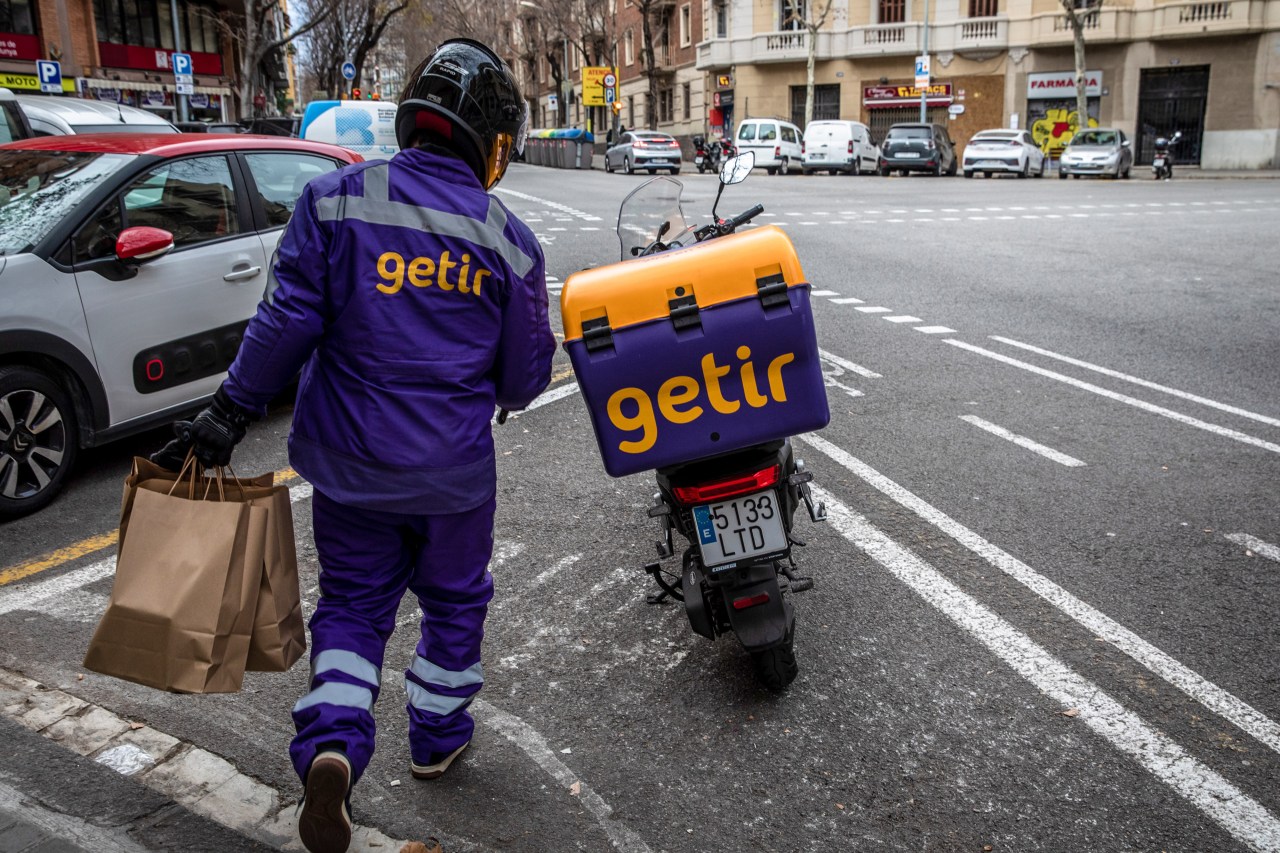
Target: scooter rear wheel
x=776, y=668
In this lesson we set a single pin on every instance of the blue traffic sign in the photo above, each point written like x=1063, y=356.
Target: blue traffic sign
x=609, y=95
x=349, y=70
x=50, y=75
x=181, y=63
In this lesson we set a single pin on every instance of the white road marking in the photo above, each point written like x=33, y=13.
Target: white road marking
x=535, y=746
x=1240, y=815
x=823, y=293
x=903, y=318
x=1256, y=545
x=847, y=365
x=1106, y=371
x=559, y=567
x=846, y=300
x=873, y=309
x=543, y=399
x=1023, y=441
x=1221, y=702
x=935, y=330
x=1123, y=398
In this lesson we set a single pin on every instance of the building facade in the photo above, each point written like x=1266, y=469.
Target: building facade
x=119, y=51
x=1209, y=69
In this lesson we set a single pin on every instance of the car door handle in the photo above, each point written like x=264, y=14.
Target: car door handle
x=241, y=274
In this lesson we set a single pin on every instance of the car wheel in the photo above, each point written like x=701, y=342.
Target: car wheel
x=1026, y=170
x=1062, y=175
x=986, y=174
x=904, y=172
x=1127, y=170
x=608, y=165
x=771, y=170
x=951, y=170
x=1076, y=177
x=968, y=173
x=857, y=167
x=884, y=171
x=626, y=166
x=1044, y=163
x=785, y=168
x=39, y=440
x=675, y=171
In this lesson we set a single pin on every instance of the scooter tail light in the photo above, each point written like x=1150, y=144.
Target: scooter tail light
x=728, y=488
x=750, y=601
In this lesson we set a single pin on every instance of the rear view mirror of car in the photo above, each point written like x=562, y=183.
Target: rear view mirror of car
x=142, y=243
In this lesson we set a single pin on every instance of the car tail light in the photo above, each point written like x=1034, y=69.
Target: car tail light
x=639, y=144
x=728, y=488
x=777, y=151
x=803, y=147
x=850, y=146
x=751, y=601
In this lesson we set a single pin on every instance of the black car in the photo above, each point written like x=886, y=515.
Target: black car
x=918, y=148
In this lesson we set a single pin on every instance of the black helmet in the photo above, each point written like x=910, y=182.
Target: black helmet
x=465, y=95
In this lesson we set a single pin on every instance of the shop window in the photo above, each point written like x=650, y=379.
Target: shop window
x=984, y=8
x=892, y=11
x=826, y=103
x=16, y=17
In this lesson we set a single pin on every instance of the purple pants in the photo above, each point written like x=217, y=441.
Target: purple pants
x=367, y=561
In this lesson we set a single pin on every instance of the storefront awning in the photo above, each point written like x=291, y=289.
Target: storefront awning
x=134, y=86
x=212, y=90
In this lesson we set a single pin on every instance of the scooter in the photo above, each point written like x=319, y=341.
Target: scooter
x=734, y=510
x=1162, y=163
x=706, y=157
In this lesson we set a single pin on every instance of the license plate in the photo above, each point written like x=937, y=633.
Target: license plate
x=906, y=154
x=698, y=160
x=739, y=529
x=1158, y=162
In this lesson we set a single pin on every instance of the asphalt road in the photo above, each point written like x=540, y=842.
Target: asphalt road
x=1044, y=613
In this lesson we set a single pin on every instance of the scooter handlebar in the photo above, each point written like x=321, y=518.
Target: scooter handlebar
x=743, y=218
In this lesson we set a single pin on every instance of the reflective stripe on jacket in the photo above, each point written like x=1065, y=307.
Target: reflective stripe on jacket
x=416, y=302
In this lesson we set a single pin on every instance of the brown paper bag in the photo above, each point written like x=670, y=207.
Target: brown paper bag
x=188, y=576
x=279, y=634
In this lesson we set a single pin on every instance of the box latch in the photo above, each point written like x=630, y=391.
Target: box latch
x=772, y=290
x=684, y=312
x=597, y=334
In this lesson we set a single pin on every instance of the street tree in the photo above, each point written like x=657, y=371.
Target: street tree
x=349, y=33
x=811, y=16
x=264, y=29
x=649, y=16
x=1080, y=15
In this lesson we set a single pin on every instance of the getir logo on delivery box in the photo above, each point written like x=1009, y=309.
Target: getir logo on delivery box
x=685, y=399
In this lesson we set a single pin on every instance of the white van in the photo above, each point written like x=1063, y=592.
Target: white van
x=54, y=115
x=365, y=127
x=839, y=146
x=776, y=143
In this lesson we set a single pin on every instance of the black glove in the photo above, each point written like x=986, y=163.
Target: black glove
x=213, y=433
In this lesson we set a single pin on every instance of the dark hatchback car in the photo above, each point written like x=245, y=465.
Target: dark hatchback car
x=918, y=148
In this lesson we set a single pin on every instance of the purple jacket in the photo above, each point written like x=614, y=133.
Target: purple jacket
x=416, y=301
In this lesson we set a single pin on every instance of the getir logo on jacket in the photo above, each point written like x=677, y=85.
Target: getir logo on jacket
x=443, y=272
x=683, y=399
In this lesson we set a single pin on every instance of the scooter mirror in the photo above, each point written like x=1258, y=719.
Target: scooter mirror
x=736, y=169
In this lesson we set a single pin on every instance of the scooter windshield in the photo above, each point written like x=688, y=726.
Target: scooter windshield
x=651, y=213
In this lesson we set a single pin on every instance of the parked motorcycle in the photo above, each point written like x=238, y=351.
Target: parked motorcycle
x=706, y=156
x=1162, y=163
x=733, y=508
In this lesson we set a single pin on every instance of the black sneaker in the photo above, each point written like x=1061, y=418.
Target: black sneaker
x=437, y=763
x=325, y=823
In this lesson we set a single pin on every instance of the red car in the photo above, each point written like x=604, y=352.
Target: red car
x=130, y=266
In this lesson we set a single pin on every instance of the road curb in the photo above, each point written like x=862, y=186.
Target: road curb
x=210, y=787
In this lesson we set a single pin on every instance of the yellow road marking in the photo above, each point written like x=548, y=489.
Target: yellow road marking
x=93, y=544
x=564, y=374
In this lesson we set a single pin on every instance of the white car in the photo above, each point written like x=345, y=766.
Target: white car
x=1006, y=150
x=775, y=143
x=58, y=116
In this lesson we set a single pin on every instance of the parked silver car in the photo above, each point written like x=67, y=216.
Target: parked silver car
x=58, y=116
x=644, y=149
x=1097, y=151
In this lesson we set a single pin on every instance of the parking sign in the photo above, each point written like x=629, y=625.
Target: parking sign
x=181, y=64
x=49, y=74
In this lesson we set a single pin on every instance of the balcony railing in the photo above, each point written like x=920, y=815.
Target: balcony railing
x=971, y=34
x=1177, y=20
x=1107, y=24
